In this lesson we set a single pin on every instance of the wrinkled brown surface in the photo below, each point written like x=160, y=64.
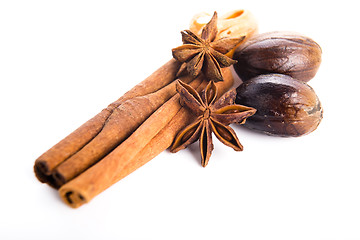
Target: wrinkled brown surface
x=278, y=52
x=285, y=106
x=123, y=121
x=71, y=144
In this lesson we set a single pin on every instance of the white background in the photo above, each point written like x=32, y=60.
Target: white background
x=61, y=62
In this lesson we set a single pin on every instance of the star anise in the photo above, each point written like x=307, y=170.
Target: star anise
x=204, y=53
x=212, y=116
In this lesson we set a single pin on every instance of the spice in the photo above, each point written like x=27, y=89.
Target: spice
x=285, y=106
x=108, y=147
x=123, y=159
x=70, y=145
x=204, y=54
x=213, y=116
x=278, y=52
x=230, y=25
x=121, y=124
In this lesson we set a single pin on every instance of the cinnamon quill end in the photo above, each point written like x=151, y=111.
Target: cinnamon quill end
x=72, y=198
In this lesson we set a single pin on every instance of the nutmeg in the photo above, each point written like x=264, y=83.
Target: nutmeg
x=278, y=52
x=285, y=106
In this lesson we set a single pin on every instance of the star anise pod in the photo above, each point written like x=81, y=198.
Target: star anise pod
x=204, y=53
x=212, y=116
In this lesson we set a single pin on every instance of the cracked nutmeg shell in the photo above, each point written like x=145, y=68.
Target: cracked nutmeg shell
x=285, y=106
x=278, y=52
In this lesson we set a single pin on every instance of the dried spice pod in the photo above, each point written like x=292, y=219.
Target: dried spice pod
x=278, y=52
x=285, y=106
x=234, y=24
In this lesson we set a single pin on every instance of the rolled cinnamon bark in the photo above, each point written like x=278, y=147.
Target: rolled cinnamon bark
x=71, y=144
x=103, y=174
x=124, y=120
x=45, y=164
x=118, y=163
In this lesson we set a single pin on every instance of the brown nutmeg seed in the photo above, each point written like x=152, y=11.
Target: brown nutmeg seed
x=285, y=106
x=278, y=52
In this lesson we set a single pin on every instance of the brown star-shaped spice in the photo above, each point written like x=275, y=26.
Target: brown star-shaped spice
x=203, y=53
x=213, y=116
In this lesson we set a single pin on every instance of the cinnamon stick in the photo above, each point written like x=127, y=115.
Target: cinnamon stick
x=122, y=160
x=71, y=144
x=122, y=122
